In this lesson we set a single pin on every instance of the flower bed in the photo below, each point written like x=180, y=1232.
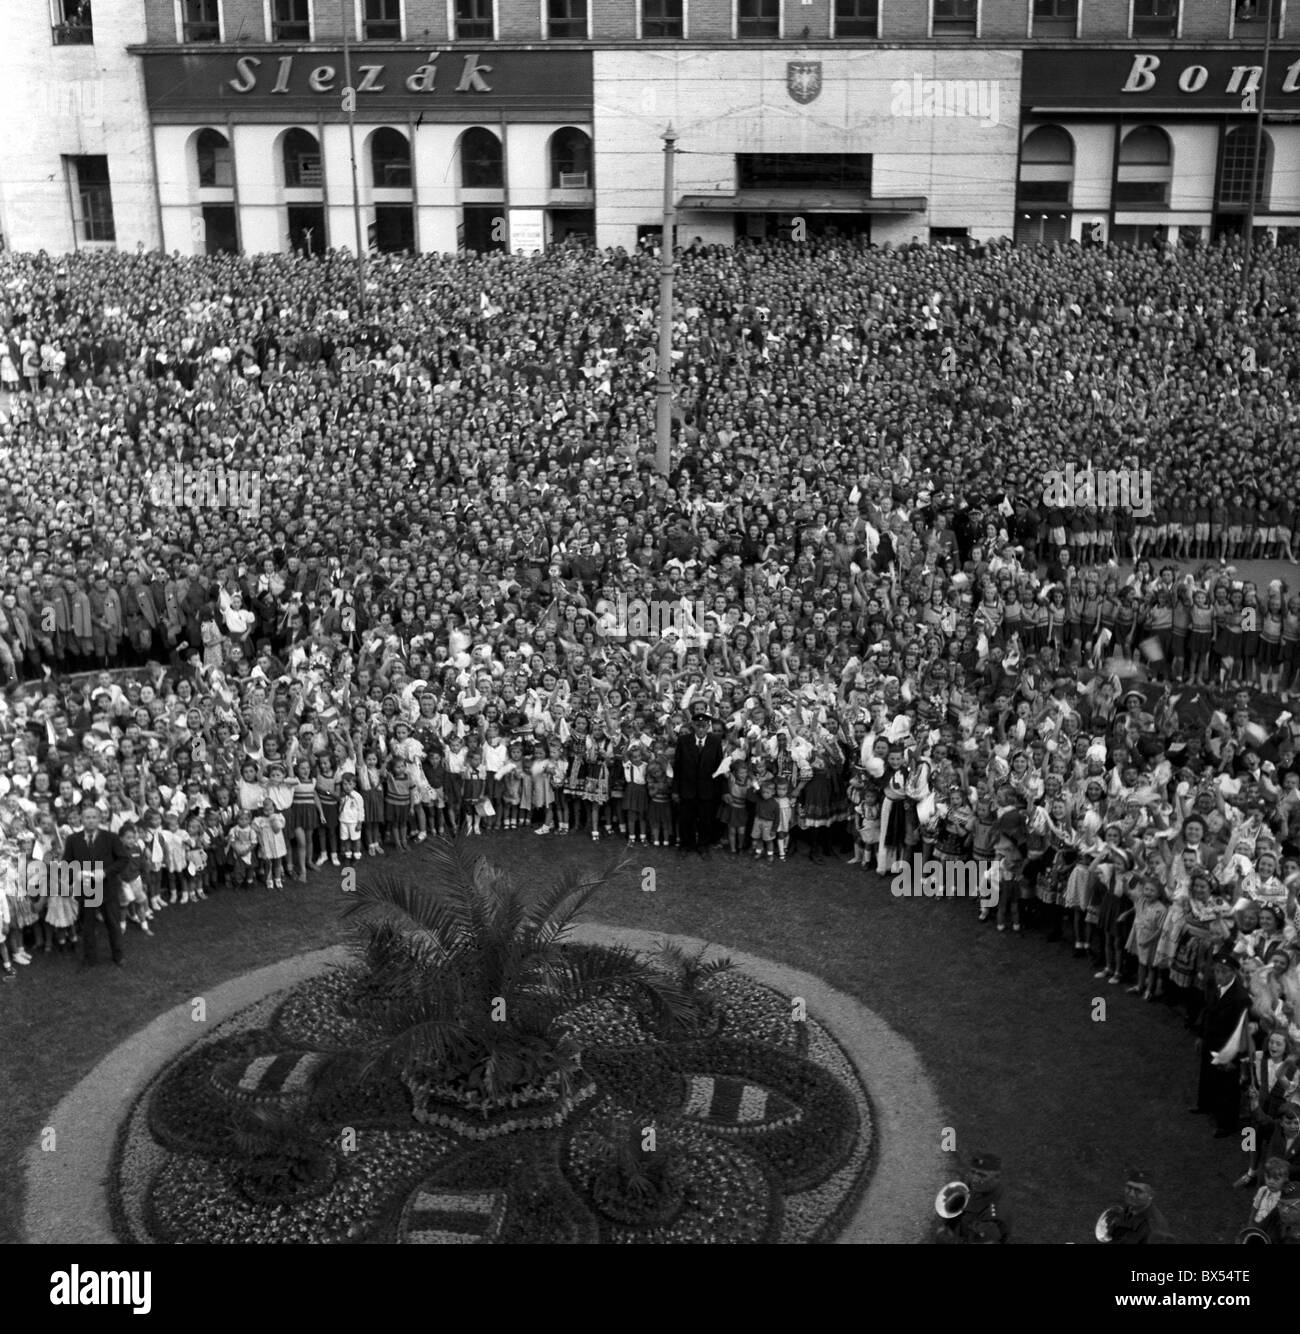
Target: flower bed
x=765, y=1131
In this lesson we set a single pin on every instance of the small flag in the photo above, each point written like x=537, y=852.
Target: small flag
x=1151, y=650
x=1235, y=1045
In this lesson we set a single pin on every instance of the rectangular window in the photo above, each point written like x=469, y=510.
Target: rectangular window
x=473, y=21
x=382, y=20
x=1242, y=162
x=1141, y=194
x=956, y=18
x=92, y=198
x=1044, y=192
x=758, y=18
x=302, y=169
x=663, y=18
x=1155, y=18
x=73, y=25
x=200, y=20
x=566, y=20
x=291, y=20
x=1056, y=18
x=857, y=18
x=794, y=171
x=1250, y=17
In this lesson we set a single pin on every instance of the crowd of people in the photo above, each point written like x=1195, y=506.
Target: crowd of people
x=884, y=639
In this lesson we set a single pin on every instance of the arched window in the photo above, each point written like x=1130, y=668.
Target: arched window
x=1235, y=169
x=390, y=160
x=480, y=161
x=215, y=162
x=302, y=162
x=571, y=166
x=1146, y=167
x=1046, y=166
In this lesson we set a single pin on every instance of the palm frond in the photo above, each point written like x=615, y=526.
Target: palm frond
x=551, y=913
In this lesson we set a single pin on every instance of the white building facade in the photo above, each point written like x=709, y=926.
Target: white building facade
x=898, y=143
x=76, y=166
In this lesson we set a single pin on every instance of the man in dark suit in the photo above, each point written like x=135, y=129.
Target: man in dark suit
x=695, y=761
x=1218, y=1090
x=103, y=857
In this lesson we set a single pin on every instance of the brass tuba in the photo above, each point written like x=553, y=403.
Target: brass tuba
x=1253, y=1236
x=951, y=1201
x=1105, y=1228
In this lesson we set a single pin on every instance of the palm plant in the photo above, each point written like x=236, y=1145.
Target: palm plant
x=469, y=977
x=280, y=1157
x=687, y=971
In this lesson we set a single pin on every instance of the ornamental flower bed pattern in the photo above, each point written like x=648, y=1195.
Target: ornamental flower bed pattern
x=759, y=1132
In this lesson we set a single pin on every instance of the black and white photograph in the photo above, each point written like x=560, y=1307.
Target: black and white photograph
x=650, y=623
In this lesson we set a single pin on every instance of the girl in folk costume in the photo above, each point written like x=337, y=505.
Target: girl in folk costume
x=272, y=847
x=1117, y=882
x=575, y=783
x=734, y=813
x=893, y=811
x=397, y=800
x=658, y=777
x=303, y=818
x=60, y=909
x=411, y=753
x=176, y=850
x=595, y=780
x=864, y=800
x=637, y=794
x=1078, y=901
x=547, y=759
x=1269, y=657
x=154, y=858
x=476, y=800
x=785, y=813
x=19, y=909
x=956, y=822
x=196, y=857
x=1148, y=917
x=1200, y=641
x=242, y=841
x=327, y=793
x=370, y=779
x=511, y=780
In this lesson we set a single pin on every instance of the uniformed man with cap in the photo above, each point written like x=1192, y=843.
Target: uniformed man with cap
x=1140, y=1223
x=984, y=1219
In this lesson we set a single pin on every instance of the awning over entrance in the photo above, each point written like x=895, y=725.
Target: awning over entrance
x=800, y=201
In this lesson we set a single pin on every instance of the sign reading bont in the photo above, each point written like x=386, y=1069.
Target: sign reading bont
x=1182, y=80
x=449, y=82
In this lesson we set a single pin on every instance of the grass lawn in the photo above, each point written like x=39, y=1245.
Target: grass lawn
x=1004, y=1023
